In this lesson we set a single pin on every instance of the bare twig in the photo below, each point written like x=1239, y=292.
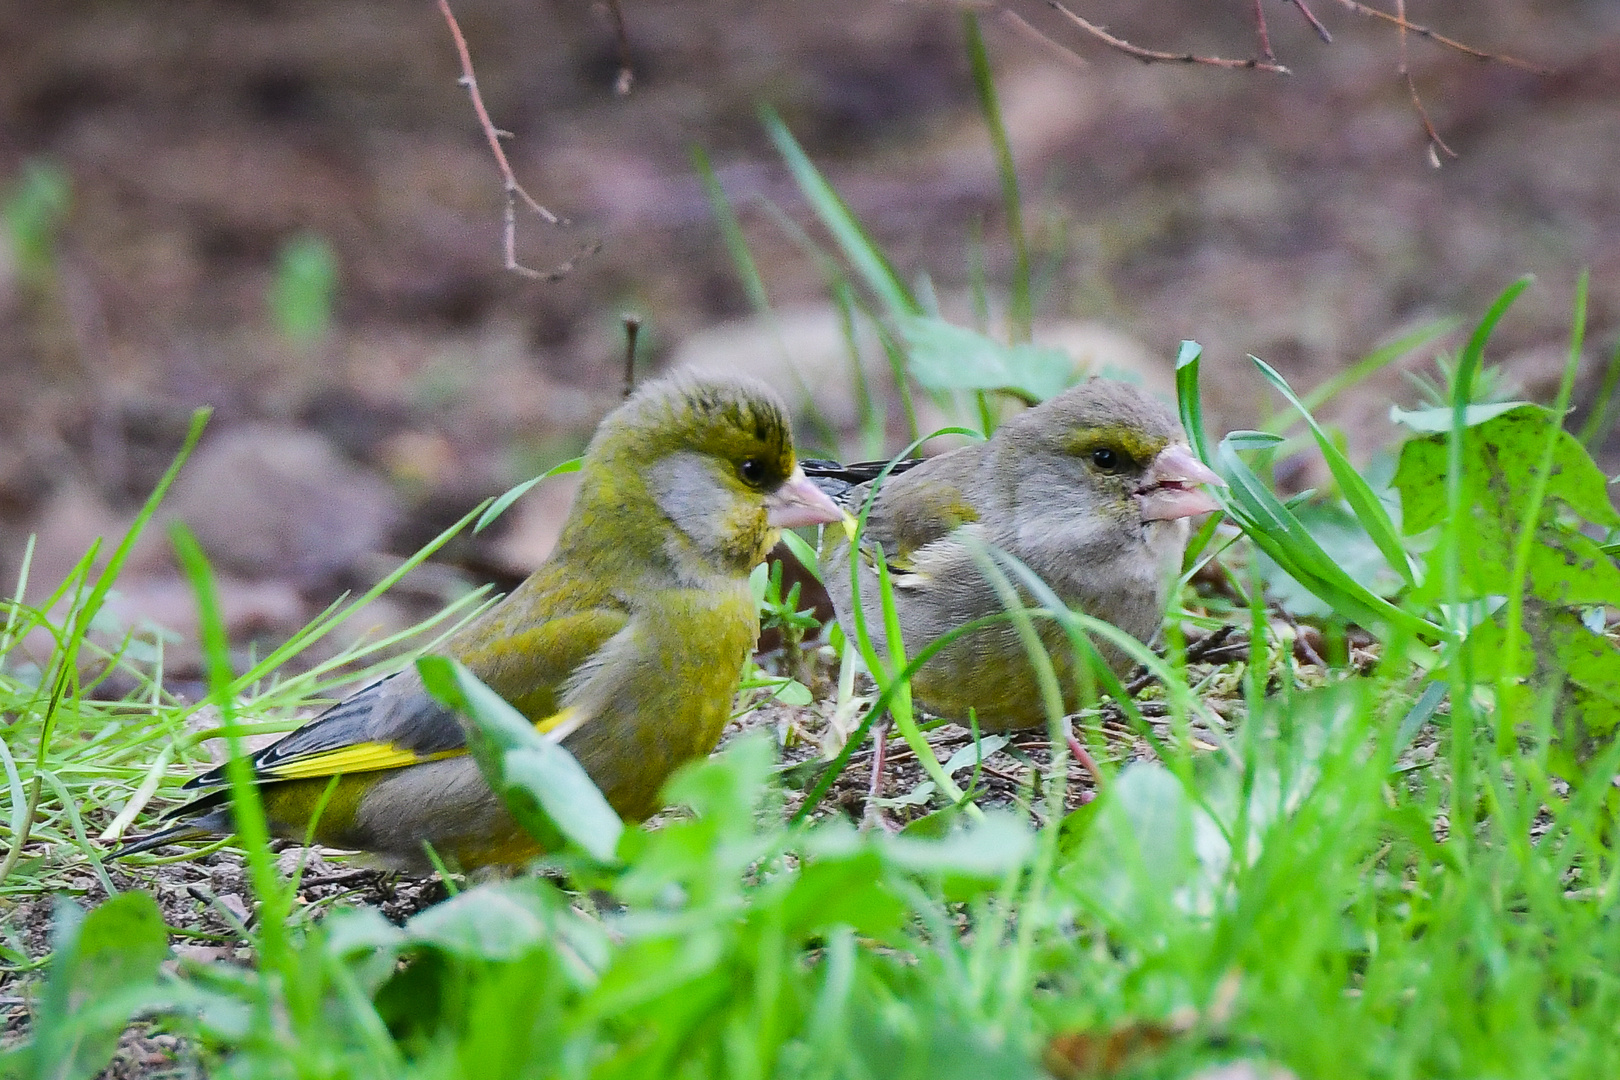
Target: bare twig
x=1400, y=20
x=513, y=190
x=342, y=877
x=632, y=330
x=1316, y=24
x=1437, y=145
x=627, y=73
x=1260, y=29
x=1063, y=52
x=1204, y=648
x=1153, y=56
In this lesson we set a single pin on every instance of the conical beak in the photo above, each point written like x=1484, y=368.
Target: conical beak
x=1171, y=490
x=799, y=502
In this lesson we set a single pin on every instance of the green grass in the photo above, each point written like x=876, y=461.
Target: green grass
x=1399, y=866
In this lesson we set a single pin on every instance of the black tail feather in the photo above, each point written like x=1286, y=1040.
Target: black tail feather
x=207, y=816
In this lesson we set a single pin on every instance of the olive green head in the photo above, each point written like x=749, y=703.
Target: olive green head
x=694, y=473
x=730, y=420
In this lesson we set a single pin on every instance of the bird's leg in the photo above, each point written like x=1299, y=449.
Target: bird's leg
x=1083, y=756
x=874, y=789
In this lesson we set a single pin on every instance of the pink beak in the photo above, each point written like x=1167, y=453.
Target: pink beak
x=799, y=502
x=1171, y=492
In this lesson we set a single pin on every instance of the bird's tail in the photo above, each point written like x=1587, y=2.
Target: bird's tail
x=207, y=816
x=176, y=834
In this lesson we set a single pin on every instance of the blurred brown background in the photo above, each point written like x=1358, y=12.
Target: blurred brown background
x=1296, y=218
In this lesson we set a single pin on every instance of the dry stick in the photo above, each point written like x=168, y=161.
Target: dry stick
x=632, y=330
x=627, y=73
x=1441, y=39
x=512, y=189
x=1304, y=646
x=1064, y=53
x=1435, y=141
x=1198, y=650
x=1316, y=24
x=1260, y=29
x=1152, y=56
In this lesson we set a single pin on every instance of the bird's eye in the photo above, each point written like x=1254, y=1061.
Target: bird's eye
x=752, y=470
x=1107, y=459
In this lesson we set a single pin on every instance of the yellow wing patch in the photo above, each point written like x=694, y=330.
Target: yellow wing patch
x=355, y=758
x=561, y=719
x=376, y=756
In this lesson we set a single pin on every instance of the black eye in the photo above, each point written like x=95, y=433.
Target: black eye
x=752, y=471
x=1107, y=459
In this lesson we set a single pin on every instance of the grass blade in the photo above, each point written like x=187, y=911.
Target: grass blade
x=1022, y=314
x=1364, y=503
x=867, y=258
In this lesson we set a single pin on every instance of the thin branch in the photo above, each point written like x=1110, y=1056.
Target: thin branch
x=1152, y=56
x=1063, y=52
x=632, y=330
x=1437, y=145
x=1316, y=24
x=1440, y=39
x=627, y=73
x=1260, y=28
x=509, y=182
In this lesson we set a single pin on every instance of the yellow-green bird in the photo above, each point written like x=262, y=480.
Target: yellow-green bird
x=1091, y=490
x=628, y=643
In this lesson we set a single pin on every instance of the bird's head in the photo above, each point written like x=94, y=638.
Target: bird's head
x=703, y=467
x=1121, y=451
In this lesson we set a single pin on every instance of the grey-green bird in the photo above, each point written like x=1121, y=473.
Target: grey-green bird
x=1091, y=489
x=627, y=644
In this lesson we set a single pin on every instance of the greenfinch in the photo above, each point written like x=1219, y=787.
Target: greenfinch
x=1090, y=489
x=627, y=644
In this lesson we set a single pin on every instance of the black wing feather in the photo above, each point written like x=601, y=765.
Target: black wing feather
x=395, y=709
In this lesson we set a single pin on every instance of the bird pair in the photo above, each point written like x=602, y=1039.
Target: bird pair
x=637, y=627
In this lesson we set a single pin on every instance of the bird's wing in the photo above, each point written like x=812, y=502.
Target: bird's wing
x=914, y=513
x=395, y=721
x=839, y=480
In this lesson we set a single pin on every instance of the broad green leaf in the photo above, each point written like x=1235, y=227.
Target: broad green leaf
x=496, y=921
x=1137, y=864
x=841, y=892
x=1500, y=460
x=1438, y=420
x=973, y=753
x=105, y=967
x=984, y=850
x=1499, y=465
x=544, y=787
x=357, y=930
x=1587, y=665
x=948, y=357
x=726, y=787
x=791, y=692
